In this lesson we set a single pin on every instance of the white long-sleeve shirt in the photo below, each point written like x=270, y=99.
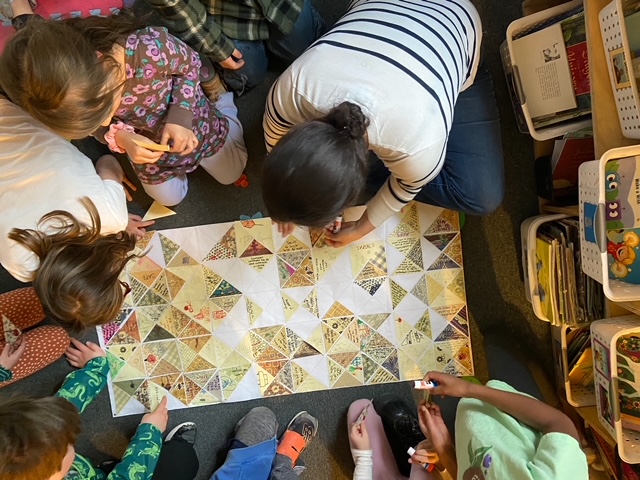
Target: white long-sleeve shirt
x=363, y=460
x=41, y=172
x=404, y=62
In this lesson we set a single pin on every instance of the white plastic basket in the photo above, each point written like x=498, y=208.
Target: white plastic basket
x=615, y=39
x=604, y=335
x=528, y=235
x=593, y=230
x=551, y=131
x=577, y=395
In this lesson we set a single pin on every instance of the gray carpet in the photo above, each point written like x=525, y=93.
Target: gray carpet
x=491, y=259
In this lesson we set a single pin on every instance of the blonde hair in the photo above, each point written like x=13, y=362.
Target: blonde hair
x=77, y=281
x=53, y=71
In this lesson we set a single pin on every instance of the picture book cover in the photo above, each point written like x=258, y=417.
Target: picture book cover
x=543, y=266
x=628, y=373
x=622, y=254
x=622, y=193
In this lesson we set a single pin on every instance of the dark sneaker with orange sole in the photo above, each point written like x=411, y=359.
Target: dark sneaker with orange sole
x=298, y=435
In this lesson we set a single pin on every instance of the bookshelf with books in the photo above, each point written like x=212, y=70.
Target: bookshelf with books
x=607, y=135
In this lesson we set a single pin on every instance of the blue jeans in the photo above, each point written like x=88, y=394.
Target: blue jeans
x=253, y=453
x=307, y=29
x=472, y=177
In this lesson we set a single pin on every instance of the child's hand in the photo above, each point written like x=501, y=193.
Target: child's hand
x=11, y=354
x=137, y=226
x=159, y=417
x=233, y=61
x=136, y=153
x=450, y=386
x=360, y=436
x=424, y=454
x=180, y=139
x=79, y=354
x=433, y=427
x=285, y=228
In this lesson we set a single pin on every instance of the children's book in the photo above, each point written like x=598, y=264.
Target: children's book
x=543, y=262
x=544, y=71
x=622, y=254
x=622, y=193
x=628, y=373
x=581, y=373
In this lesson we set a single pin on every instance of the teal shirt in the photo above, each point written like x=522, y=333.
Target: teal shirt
x=141, y=457
x=492, y=445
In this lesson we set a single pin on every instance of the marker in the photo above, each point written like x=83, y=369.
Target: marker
x=427, y=466
x=422, y=385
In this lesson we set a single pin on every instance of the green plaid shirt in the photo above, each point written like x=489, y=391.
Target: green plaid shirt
x=210, y=26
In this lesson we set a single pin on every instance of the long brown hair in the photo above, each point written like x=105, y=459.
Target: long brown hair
x=77, y=281
x=52, y=70
x=35, y=434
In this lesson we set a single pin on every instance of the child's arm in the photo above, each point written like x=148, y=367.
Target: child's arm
x=188, y=20
x=141, y=457
x=361, y=452
x=534, y=413
x=82, y=386
x=175, y=58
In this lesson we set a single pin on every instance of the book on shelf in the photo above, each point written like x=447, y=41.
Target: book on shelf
x=544, y=71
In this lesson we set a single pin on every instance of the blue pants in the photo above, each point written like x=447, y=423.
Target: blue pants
x=309, y=27
x=252, y=454
x=472, y=177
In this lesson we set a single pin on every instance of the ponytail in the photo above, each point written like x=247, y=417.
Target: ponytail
x=348, y=118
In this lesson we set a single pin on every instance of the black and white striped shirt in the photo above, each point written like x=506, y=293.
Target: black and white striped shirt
x=404, y=62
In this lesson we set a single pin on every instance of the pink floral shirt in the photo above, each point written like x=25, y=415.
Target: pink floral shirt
x=163, y=86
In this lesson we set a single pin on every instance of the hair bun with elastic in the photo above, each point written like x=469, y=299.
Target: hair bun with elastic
x=348, y=117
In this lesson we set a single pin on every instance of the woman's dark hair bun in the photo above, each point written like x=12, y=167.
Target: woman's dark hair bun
x=348, y=117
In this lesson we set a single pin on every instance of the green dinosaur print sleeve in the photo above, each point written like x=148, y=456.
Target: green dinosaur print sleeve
x=82, y=386
x=141, y=457
x=5, y=374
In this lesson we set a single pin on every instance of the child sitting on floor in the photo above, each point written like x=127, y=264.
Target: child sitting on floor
x=142, y=84
x=74, y=269
x=37, y=435
x=255, y=453
x=34, y=349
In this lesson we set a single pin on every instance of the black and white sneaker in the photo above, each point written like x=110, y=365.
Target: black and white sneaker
x=185, y=432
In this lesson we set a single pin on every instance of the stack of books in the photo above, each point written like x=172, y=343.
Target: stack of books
x=567, y=295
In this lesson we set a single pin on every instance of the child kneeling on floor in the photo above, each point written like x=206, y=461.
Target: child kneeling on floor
x=37, y=435
x=140, y=84
x=255, y=452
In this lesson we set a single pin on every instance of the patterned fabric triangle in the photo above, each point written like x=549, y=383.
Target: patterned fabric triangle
x=255, y=248
x=225, y=248
x=169, y=248
x=225, y=289
x=440, y=240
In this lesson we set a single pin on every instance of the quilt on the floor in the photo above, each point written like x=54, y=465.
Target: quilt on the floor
x=233, y=311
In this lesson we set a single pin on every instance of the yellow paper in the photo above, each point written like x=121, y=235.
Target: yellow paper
x=154, y=147
x=157, y=211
